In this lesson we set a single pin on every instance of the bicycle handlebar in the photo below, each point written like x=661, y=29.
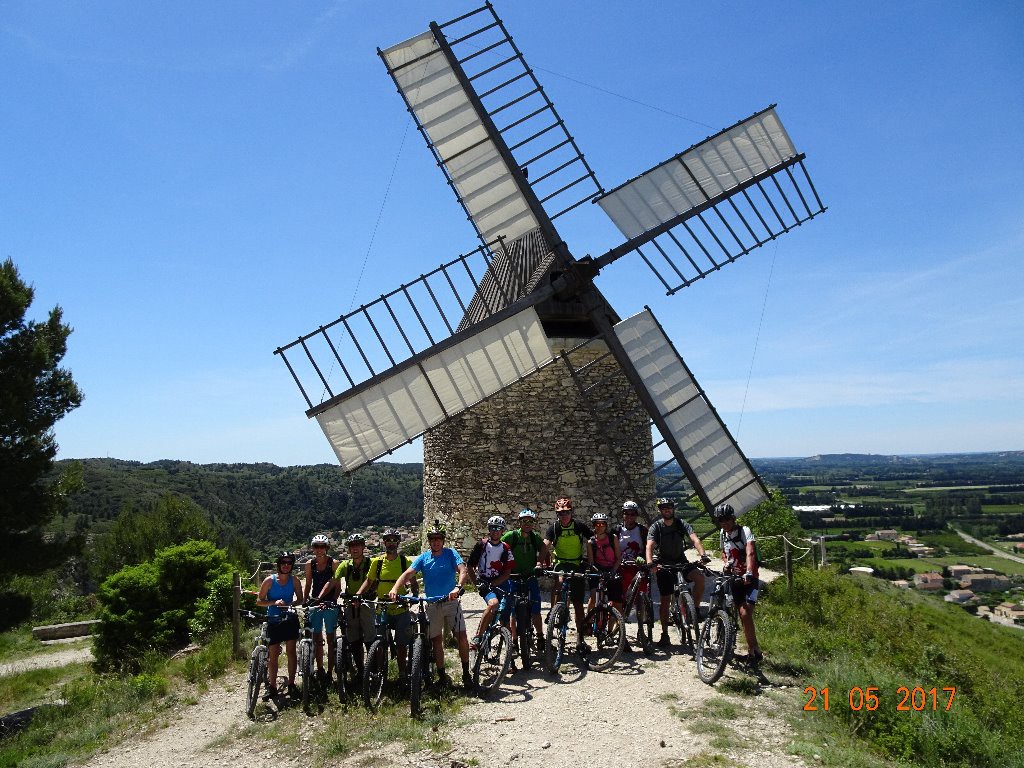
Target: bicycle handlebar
x=420, y=599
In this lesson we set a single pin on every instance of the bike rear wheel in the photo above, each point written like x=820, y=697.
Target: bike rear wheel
x=715, y=646
x=685, y=615
x=608, y=632
x=375, y=673
x=524, y=635
x=256, y=679
x=306, y=670
x=342, y=663
x=554, y=649
x=492, y=660
x=417, y=670
x=645, y=623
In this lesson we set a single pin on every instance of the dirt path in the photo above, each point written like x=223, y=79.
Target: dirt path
x=650, y=712
x=47, y=660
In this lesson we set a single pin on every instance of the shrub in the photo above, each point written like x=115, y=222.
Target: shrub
x=14, y=609
x=148, y=606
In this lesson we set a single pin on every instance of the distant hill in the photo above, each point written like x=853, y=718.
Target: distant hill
x=267, y=504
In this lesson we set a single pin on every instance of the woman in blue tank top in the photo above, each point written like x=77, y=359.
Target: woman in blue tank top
x=276, y=594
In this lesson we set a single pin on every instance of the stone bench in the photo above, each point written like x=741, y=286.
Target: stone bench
x=61, y=631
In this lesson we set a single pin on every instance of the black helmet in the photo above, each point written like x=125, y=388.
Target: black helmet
x=285, y=557
x=664, y=502
x=354, y=538
x=723, y=512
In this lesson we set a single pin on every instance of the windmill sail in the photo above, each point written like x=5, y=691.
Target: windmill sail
x=716, y=201
x=698, y=438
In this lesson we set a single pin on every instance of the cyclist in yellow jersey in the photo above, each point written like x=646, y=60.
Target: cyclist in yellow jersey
x=566, y=540
x=360, y=618
x=384, y=572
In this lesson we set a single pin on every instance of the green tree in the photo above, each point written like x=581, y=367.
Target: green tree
x=35, y=392
x=772, y=517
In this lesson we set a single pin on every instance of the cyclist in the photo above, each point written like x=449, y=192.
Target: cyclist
x=529, y=550
x=354, y=571
x=277, y=593
x=444, y=575
x=383, y=573
x=319, y=584
x=603, y=549
x=740, y=554
x=668, y=534
x=493, y=561
x=566, y=538
x=632, y=537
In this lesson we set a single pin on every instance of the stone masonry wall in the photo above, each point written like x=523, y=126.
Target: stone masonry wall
x=530, y=444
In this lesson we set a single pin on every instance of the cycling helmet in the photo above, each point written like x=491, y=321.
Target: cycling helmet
x=630, y=506
x=391, y=533
x=528, y=514
x=599, y=517
x=318, y=540
x=354, y=538
x=497, y=522
x=436, y=530
x=285, y=557
x=663, y=502
x=723, y=512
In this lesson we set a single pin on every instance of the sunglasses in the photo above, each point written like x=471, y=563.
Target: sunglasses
x=630, y=514
x=495, y=528
x=390, y=540
x=563, y=512
x=435, y=538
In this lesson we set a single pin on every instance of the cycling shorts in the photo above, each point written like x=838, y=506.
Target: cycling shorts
x=629, y=573
x=577, y=587
x=508, y=602
x=745, y=593
x=401, y=625
x=667, y=579
x=447, y=614
x=360, y=624
x=324, y=619
x=284, y=630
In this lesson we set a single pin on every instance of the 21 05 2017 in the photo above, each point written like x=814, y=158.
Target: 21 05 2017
x=870, y=698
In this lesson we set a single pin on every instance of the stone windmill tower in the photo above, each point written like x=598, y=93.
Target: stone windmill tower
x=523, y=379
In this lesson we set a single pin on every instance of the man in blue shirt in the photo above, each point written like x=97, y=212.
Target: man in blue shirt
x=444, y=575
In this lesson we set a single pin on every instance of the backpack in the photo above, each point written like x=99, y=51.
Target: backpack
x=404, y=561
x=743, y=544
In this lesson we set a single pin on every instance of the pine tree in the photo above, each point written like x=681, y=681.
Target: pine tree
x=35, y=393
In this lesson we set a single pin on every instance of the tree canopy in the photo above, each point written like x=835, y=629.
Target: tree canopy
x=35, y=393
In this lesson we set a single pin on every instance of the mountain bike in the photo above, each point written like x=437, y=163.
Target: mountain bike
x=607, y=627
x=717, y=642
x=494, y=653
x=383, y=647
x=519, y=593
x=639, y=598
x=683, y=616
x=306, y=650
x=257, y=675
x=421, y=664
x=348, y=657
x=558, y=620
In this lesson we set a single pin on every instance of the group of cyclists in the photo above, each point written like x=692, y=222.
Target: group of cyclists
x=500, y=564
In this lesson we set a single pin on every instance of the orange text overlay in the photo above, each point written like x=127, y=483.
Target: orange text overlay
x=869, y=698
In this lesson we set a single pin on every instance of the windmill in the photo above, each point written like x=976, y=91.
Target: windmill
x=520, y=314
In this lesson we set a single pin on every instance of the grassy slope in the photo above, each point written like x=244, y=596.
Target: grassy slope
x=842, y=632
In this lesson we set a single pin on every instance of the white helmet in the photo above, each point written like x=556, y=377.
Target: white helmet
x=599, y=517
x=319, y=539
x=528, y=513
x=496, y=522
x=630, y=506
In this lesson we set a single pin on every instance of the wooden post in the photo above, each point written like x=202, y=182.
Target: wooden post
x=788, y=558
x=236, y=624
x=824, y=557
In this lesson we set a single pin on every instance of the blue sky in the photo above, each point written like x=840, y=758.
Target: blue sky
x=198, y=183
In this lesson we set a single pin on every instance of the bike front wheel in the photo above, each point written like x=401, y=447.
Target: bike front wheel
x=554, y=648
x=256, y=679
x=342, y=662
x=306, y=670
x=608, y=632
x=375, y=673
x=645, y=623
x=715, y=646
x=524, y=635
x=417, y=670
x=492, y=660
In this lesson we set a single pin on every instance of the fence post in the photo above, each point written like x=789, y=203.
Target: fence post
x=788, y=558
x=824, y=557
x=236, y=605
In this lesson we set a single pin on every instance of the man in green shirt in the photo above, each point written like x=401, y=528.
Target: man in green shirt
x=529, y=549
x=383, y=573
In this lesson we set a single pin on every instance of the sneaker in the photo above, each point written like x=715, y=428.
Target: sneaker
x=663, y=641
x=755, y=659
x=467, y=681
x=474, y=644
x=270, y=694
x=443, y=681
x=582, y=648
x=293, y=690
